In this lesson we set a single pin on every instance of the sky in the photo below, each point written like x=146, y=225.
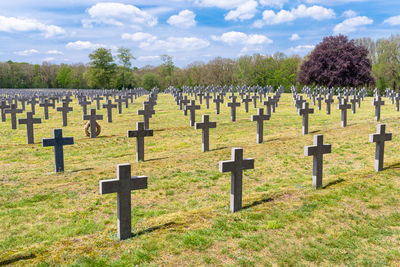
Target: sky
x=67, y=31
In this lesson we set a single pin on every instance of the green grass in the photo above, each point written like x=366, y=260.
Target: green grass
x=183, y=218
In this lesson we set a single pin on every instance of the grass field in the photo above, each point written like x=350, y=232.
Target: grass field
x=183, y=218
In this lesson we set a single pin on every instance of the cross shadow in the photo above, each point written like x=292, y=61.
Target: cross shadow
x=271, y=140
x=86, y=169
x=106, y=136
x=393, y=166
x=257, y=202
x=151, y=229
x=316, y=131
x=172, y=128
x=156, y=159
x=338, y=181
x=219, y=148
x=17, y=258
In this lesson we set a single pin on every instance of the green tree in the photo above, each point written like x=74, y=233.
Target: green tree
x=167, y=70
x=125, y=58
x=64, y=76
x=102, y=68
x=149, y=81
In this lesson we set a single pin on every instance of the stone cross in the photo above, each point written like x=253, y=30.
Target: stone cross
x=397, y=98
x=30, y=121
x=58, y=142
x=317, y=151
x=65, y=109
x=319, y=98
x=233, y=104
x=119, y=101
x=328, y=100
x=246, y=101
x=379, y=138
x=192, y=108
x=84, y=103
x=218, y=100
x=207, y=97
x=33, y=103
x=184, y=103
x=377, y=102
x=93, y=121
x=3, y=107
x=268, y=103
x=123, y=186
x=147, y=113
x=260, y=118
x=344, y=107
x=13, y=112
x=254, y=97
x=98, y=98
x=205, y=126
x=46, y=106
x=140, y=133
x=236, y=167
x=353, y=102
x=109, y=106
x=304, y=112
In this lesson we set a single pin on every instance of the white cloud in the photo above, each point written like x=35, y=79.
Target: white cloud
x=185, y=19
x=47, y=59
x=314, y=12
x=273, y=3
x=395, y=20
x=352, y=24
x=171, y=44
x=118, y=14
x=26, y=52
x=350, y=14
x=12, y=24
x=242, y=38
x=244, y=11
x=81, y=45
x=55, y=52
x=330, y=2
x=294, y=37
x=139, y=36
x=239, y=9
x=301, y=49
x=148, y=58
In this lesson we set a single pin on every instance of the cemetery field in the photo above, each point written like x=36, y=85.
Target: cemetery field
x=183, y=217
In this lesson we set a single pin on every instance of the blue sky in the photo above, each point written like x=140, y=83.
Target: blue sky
x=66, y=31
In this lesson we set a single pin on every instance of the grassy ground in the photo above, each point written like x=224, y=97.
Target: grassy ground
x=183, y=217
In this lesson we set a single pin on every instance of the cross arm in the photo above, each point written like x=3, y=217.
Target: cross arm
x=48, y=142
x=109, y=186
x=226, y=166
x=68, y=141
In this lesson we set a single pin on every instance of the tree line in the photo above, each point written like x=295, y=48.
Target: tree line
x=106, y=71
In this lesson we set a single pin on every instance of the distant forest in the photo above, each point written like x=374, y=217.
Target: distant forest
x=277, y=69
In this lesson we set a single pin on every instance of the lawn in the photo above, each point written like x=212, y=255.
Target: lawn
x=183, y=217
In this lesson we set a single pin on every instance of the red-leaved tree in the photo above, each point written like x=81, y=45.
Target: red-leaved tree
x=336, y=61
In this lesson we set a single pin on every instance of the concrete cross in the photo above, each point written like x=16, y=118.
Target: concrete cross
x=246, y=101
x=119, y=101
x=184, y=103
x=192, y=109
x=377, y=102
x=109, y=106
x=123, y=186
x=207, y=97
x=205, y=126
x=233, y=104
x=58, y=142
x=218, y=100
x=65, y=109
x=98, y=98
x=379, y=138
x=13, y=113
x=84, y=103
x=268, y=103
x=319, y=98
x=329, y=100
x=344, y=107
x=3, y=107
x=254, y=97
x=33, y=103
x=236, y=167
x=397, y=98
x=140, y=133
x=147, y=113
x=299, y=102
x=46, y=104
x=200, y=95
x=260, y=118
x=93, y=118
x=353, y=102
x=304, y=112
x=317, y=151
x=29, y=121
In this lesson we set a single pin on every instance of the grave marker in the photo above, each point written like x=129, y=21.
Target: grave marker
x=379, y=138
x=317, y=151
x=58, y=142
x=205, y=126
